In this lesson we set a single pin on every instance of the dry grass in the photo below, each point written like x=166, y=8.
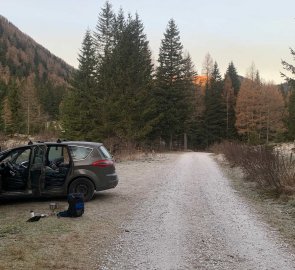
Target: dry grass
x=53, y=243
x=270, y=169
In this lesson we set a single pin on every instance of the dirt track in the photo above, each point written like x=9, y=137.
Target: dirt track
x=174, y=211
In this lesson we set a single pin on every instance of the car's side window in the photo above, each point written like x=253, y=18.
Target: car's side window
x=79, y=152
x=39, y=155
x=58, y=154
x=105, y=152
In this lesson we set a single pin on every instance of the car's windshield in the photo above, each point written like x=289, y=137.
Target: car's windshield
x=18, y=156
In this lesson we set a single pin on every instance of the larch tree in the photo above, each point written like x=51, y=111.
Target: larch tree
x=31, y=106
x=207, y=67
x=272, y=111
x=248, y=109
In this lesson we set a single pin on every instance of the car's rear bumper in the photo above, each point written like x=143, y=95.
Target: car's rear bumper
x=111, y=181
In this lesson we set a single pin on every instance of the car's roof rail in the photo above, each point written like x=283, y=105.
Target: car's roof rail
x=60, y=141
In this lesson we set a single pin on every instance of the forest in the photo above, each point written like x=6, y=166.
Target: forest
x=119, y=96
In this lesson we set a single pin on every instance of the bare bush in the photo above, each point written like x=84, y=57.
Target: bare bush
x=270, y=169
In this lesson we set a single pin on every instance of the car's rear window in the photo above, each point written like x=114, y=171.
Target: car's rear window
x=105, y=152
x=79, y=152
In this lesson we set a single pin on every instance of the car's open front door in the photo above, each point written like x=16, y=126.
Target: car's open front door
x=37, y=169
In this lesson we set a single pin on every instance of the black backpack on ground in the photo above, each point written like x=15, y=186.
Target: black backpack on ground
x=76, y=206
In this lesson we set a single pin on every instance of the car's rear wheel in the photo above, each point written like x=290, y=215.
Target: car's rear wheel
x=83, y=186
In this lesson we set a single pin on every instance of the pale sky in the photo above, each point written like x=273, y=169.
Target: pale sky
x=244, y=32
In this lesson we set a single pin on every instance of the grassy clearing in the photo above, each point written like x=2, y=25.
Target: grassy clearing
x=52, y=243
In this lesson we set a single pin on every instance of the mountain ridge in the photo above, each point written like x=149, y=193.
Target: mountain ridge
x=23, y=55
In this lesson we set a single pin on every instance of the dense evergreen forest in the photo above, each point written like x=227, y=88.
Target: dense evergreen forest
x=117, y=95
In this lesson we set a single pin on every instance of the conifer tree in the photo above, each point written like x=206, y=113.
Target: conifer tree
x=104, y=32
x=215, y=111
x=80, y=111
x=7, y=116
x=129, y=83
x=14, y=100
x=290, y=79
x=234, y=77
x=172, y=86
x=170, y=70
x=3, y=91
x=230, y=102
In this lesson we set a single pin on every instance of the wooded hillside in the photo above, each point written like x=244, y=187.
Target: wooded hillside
x=32, y=82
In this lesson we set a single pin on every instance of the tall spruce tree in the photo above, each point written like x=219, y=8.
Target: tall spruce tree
x=128, y=83
x=230, y=102
x=80, y=111
x=232, y=85
x=215, y=110
x=104, y=32
x=14, y=99
x=171, y=87
x=170, y=69
x=290, y=79
x=234, y=77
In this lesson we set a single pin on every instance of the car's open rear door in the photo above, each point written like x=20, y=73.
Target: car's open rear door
x=37, y=169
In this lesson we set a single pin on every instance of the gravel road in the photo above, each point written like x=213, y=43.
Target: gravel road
x=169, y=211
x=180, y=212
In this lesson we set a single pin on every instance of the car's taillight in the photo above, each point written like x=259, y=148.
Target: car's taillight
x=103, y=163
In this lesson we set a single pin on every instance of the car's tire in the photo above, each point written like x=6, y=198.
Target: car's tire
x=84, y=186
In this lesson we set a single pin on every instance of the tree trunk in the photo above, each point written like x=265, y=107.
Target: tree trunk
x=184, y=141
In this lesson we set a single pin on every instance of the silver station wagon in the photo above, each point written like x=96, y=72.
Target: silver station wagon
x=57, y=168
